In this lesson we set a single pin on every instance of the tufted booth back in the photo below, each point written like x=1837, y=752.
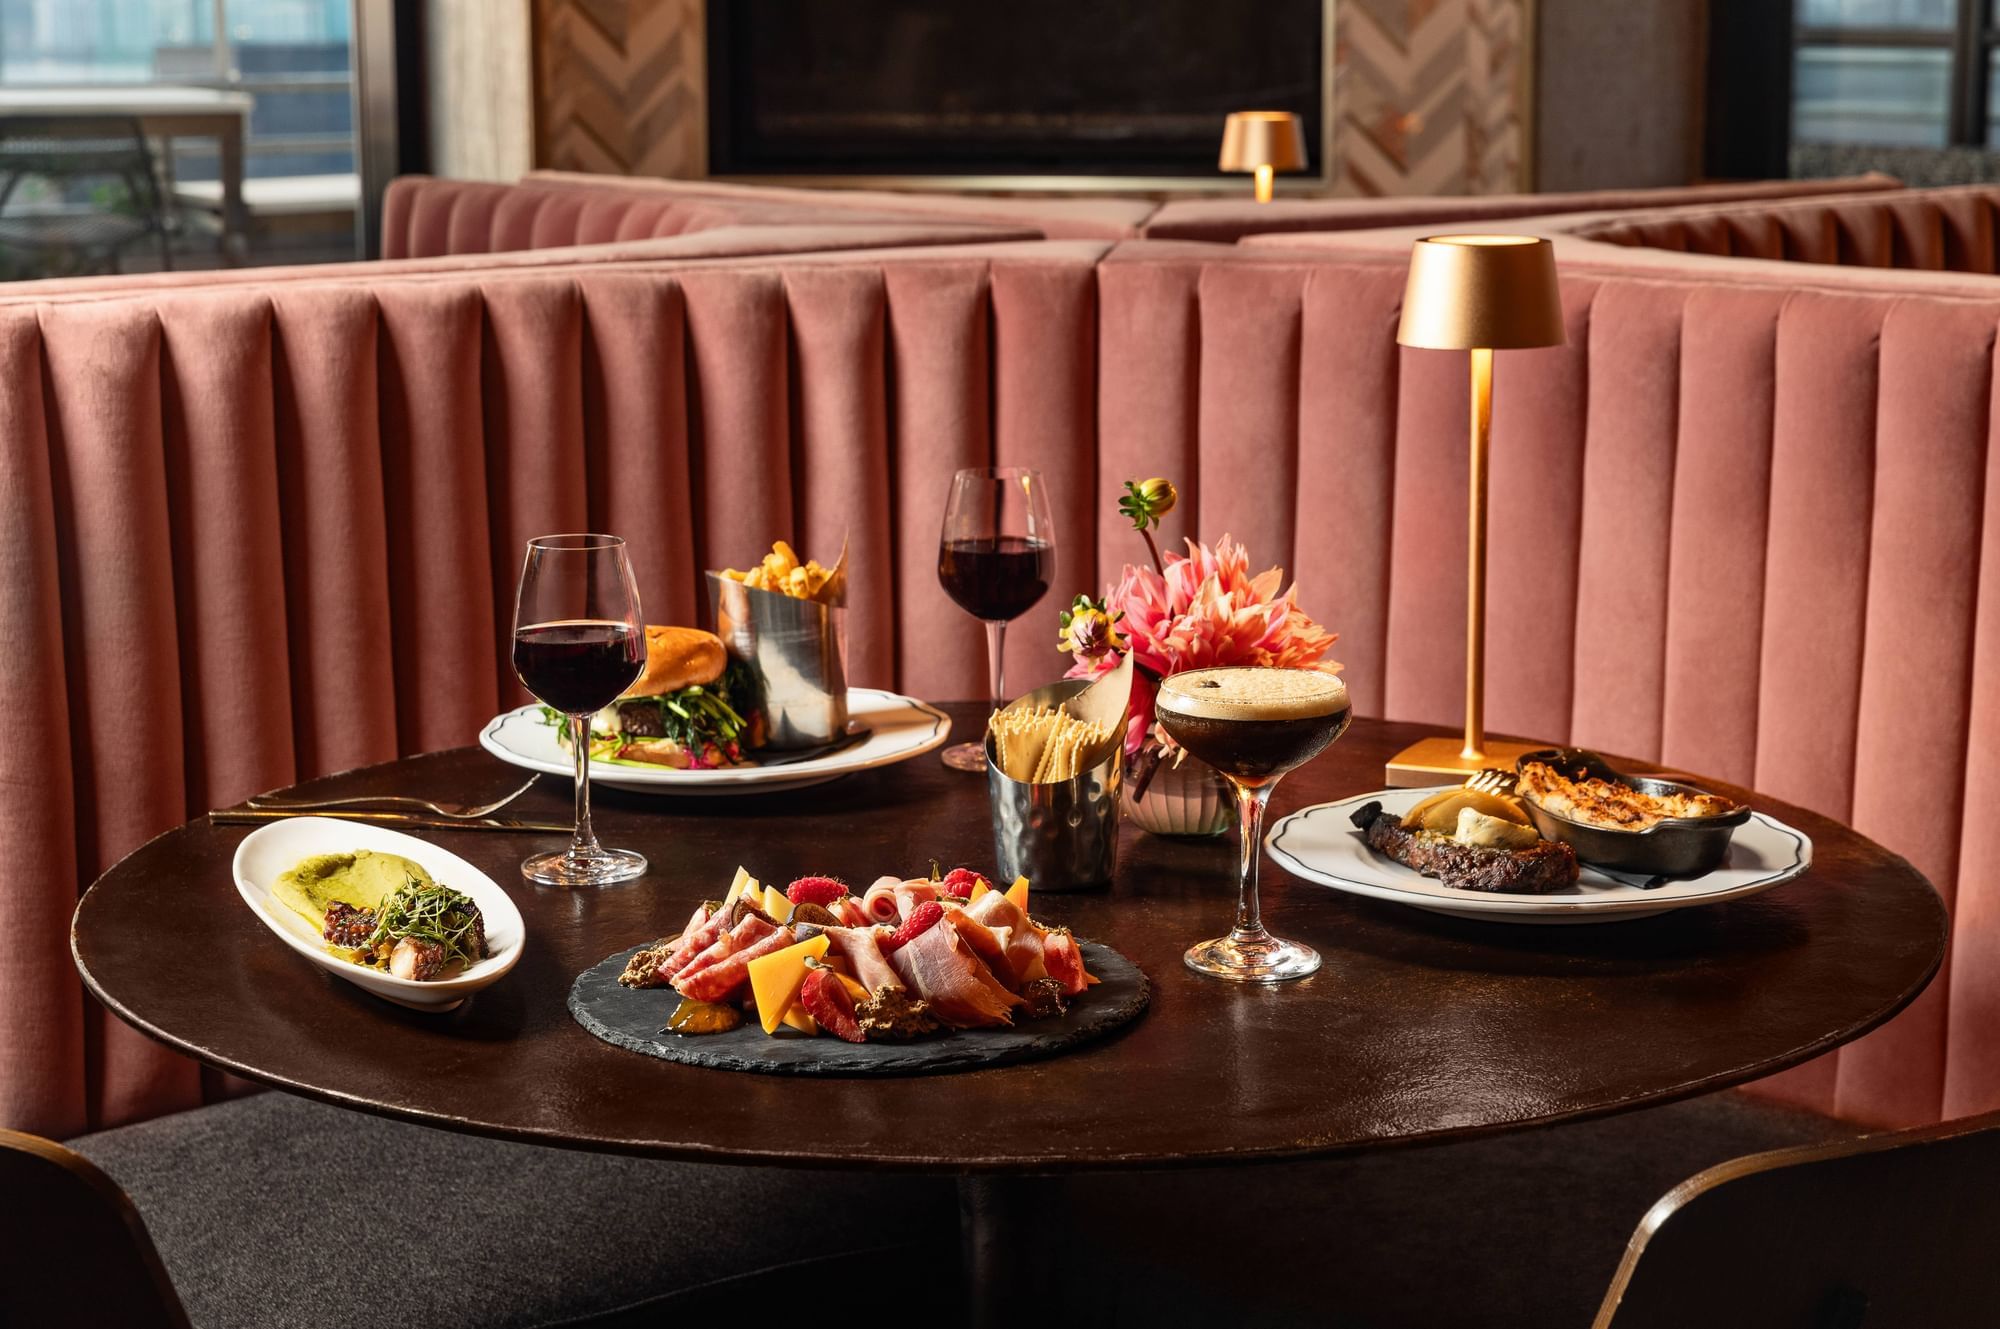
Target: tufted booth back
x=1739, y=527
x=1933, y=230
x=428, y=218
x=260, y=534
x=262, y=531
x=1228, y=220
x=424, y=217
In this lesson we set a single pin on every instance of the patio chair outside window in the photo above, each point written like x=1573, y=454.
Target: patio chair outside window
x=75, y=195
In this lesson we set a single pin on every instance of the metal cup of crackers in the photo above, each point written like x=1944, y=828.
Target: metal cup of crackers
x=1052, y=782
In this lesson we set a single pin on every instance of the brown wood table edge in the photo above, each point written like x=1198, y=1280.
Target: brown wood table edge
x=1027, y=1165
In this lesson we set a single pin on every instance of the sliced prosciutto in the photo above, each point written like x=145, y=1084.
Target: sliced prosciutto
x=1065, y=962
x=871, y=968
x=878, y=902
x=911, y=894
x=991, y=945
x=891, y=899
x=953, y=981
x=715, y=981
x=1023, y=936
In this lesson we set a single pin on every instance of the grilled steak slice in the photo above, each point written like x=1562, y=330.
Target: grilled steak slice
x=641, y=719
x=1549, y=866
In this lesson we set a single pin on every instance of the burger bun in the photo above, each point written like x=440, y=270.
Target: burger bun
x=678, y=658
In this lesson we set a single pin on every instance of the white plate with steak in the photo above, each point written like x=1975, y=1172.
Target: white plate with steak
x=1324, y=844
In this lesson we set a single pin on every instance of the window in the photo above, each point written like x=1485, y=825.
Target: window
x=195, y=79
x=1910, y=72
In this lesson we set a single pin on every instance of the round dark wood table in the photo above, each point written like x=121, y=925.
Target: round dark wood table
x=1418, y=1027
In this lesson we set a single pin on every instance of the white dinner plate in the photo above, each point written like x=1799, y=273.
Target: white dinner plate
x=899, y=728
x=269, y=852
x=1321, y=844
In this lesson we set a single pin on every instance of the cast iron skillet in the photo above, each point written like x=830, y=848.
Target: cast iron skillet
x=1674, y=847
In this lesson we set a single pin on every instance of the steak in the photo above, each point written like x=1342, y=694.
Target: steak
x=641, y=719
x=1549, y=866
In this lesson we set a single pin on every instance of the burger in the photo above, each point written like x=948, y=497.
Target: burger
x=692, y=707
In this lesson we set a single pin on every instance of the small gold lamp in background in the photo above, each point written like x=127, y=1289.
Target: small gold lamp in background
x=1477, y=293
x=1264, y=142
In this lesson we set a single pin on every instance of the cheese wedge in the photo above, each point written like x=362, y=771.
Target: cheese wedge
x=1017, y=894
x=854, y=988
x=775, y=979
x=979, y=888
x=797, y=1019
x=776, y=905
x=743, y=882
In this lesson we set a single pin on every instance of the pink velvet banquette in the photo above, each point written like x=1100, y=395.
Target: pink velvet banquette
x=264, y=525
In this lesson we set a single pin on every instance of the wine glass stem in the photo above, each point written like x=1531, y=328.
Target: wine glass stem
x=996, y=660
x=1250, y=827
x=585, y=841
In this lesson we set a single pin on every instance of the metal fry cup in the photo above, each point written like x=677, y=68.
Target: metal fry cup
x=797, y=649
x=1061, y=836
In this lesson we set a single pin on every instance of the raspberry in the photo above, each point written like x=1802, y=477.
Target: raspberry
x=924, y=917
x=815, y=890
x=958, y=883
x=829, y=1002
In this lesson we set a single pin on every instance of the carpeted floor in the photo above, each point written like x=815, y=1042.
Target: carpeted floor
x=275, y=1212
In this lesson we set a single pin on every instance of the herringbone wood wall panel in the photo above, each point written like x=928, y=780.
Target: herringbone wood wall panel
x=620, y=87
x=1431, y=96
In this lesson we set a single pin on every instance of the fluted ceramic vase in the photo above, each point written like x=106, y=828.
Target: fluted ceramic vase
x=1190, y=800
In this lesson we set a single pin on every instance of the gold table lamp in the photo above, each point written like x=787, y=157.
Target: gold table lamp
x=1264, y=142
x=1477, y=293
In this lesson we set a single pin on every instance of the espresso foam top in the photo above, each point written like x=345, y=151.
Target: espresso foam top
x=1247, y=693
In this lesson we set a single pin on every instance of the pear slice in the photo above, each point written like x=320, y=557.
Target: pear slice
x=1440, y=811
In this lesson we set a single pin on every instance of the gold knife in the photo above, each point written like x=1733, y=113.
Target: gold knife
x=244, y=816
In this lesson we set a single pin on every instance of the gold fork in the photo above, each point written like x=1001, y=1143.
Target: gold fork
x=453, y=811
x=1492, y=781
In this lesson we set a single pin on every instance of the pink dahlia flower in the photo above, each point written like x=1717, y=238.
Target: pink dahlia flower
x=1205, y=610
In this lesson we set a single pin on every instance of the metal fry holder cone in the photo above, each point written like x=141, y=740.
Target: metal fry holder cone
x=796, y=648
x=1062, y=835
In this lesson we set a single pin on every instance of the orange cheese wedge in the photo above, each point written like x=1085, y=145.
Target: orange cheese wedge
x=775, y=979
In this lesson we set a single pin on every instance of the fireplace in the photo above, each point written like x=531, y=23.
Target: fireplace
x=1041, y=93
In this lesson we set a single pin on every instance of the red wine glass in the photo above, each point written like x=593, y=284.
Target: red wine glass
x=579, y=642
x=996, y=557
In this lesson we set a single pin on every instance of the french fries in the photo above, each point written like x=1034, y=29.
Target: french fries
x=782, y=572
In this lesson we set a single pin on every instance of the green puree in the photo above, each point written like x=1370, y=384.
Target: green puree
x=362, y=879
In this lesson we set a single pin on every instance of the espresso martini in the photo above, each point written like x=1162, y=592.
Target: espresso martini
x=1253, y=724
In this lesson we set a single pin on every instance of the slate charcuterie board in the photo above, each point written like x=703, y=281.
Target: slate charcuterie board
x=631, y=1018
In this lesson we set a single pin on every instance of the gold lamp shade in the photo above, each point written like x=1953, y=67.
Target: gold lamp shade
x=1476, y=293
x=1263, y=142
x=1492, y=291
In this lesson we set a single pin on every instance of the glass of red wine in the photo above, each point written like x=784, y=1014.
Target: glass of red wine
x=996, y=557
x=578, y=643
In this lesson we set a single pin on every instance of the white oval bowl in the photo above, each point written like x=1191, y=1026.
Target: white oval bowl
x=269, y=852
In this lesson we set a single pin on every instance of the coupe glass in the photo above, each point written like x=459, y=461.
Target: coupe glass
x=579, y=642
x=996, y=557
x=1255, y=725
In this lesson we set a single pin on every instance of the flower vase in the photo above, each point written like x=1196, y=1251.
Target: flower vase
x=1190, y=799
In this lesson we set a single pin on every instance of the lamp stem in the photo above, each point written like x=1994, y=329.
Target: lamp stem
x=1475, y=579
x=1263, y=184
